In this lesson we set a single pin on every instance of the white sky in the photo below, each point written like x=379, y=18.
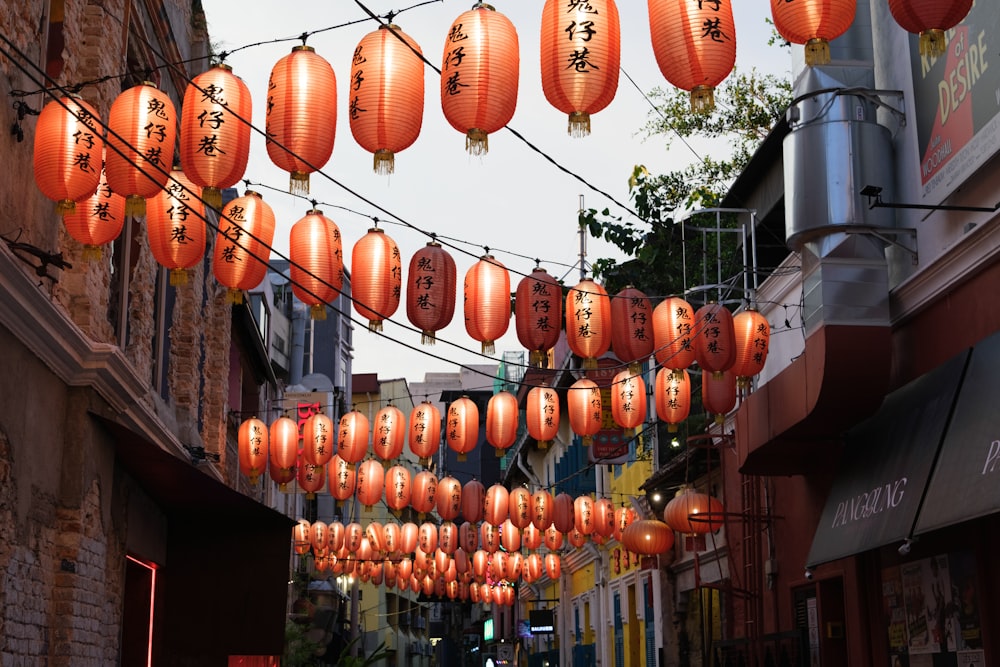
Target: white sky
x=512, y=199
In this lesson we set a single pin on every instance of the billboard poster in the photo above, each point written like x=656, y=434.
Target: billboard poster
x=957, y=102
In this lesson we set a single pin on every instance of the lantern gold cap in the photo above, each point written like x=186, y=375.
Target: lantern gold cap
x=303, y=47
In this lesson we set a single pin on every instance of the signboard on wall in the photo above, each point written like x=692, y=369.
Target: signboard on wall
x=610, y=446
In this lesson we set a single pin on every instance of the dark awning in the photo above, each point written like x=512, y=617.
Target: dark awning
x=966, y=480
x=885, y=467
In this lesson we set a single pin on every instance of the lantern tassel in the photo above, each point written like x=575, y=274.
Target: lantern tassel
x=588, y=440
x=817, y=52
x=385, y=162
x=298, y=183
x=178, y=277
x=671, y=428
x=317, y=312
x=477, y=142
x=92, y=253
x=579, y=124
x=374, y=325
x=702, y=99
x=234, y=297
x=65, y=207
x=720, y=419
x=590, y=363
x=489, y=347
x=427, y=338
x=212, y=197
x=543, y=444
x=135, y=206
x=933, y=43
x=537, y=358
x=462, y=457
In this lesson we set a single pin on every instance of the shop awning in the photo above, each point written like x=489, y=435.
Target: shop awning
x=965, y=483
x=886, y=465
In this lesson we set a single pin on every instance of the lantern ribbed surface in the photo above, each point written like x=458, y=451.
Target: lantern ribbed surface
x=563, y=514
x=317, y=262
x=468, y=533
x=714, y=338
x=243, y=243
x=386, y=95
x=580, y=58
x=449, y=498
x=753, y=336
x=69, y=152
x=479, y=75
x=694, y=44
x=929, y=19
x=431, y=285
x=624, y=517
x=632, y=327
x=510, y=539
x=538, y=314
x=673, y=333
x=519, y=507
x=496, y=504
x=542, y=415
x=487, y=302
x=531, y=537
x=542, y=508
x=318, y=439
x=672, y=393
x=501, y=420
x=462, y=426
x=284, y=442
x=97, y=220
x=424, y=433
x=388, y=433
x=585, y=409
x=718, y=394
x=604, y=517
x=583, y=514
x=310, y=478
x=588, y=322
x=371, y=482
x=473, y=498
x=343, y=478
x=553, y=538
x=628, y=400
x=376, y=277
x=553, y=566
x=252, y=443
x=301, y=118
x=648, y=537
x=691, y=512
x=175, y=224
x=352, y=437
x=424, y=496
x=813, y=23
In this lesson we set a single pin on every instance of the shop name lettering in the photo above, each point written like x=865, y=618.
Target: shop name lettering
x=870, y=503
x=992, y=458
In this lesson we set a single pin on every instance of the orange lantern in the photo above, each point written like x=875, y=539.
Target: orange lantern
x=532, y=568
x=553, y=538
x=673, y=332
x=430, y=291
x=531, y=537
x=468, y=537
x=448, y=537
x=175, y=224
x=489, y=536
x=68, y=152
x=301, y=535
x=343, y=478
x=715, y=338
x=353, y=534
x=624, y=517
x=353, y=436
x=424, y=494
x=718, y=394
x=813, y=23
x=318, y=532
x=496, y=505
x=335, y=536
x=628, y=401
x=408, y=535
x=519, y=507
x=498, y=568
x=462, y=433
x=583, y=515
x=576, y=538
x=391, y=537
x=695, y=45
x=584, y=402
x=501, y=420
x=588, y=322
x=427, y=537
x=388, y=433
x=243, y=244
x=397, y=488
x=386, y=105
x=604, y=517
x=929, y=19
x=563, y=517
x=510, y=536
x=648, y=537
x=479, y=75
x=542, y=509
x=480, y=563
x=473, y=500
x=632, y=328
x=142, y=134
x=449, y=498
x=542, y=415
x=580, y=74
x=425, y=431
x=487, y=302
x=284, y=450
x=215, y=131
x=374, y=533
x=553, y=566
x=311, y=478
x=515, y=566
x=317, y=262
x=371, y=483
x=673, y=397
x=753, y=335
x=317, y=439
x=98, y=220
x=538, y=314
x=301, y=118
x=376, y=277
x=693, y=513
x=252, y=448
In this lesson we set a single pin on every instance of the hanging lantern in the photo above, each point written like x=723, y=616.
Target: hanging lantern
x=515, y=566
x=648, y=537
x=301, y=537
x=388, y=433
x=462, y=429
x=335, y=536
x=496, y=505
x=584, y=402
x=371, y=483
x=391, y=536
x=510, y=536
x=425, y=431
x=373, y=533
x=542, y=509
x=479, y=75
x=531, y=537
x=604, y=517
x=563, y=516
x=673, y=332
x=142, y=133
x=473, y=500
x=424, y=496
x=252, y=448
x=480, y=563
x=628, y=401
x=215, y=131
x=284, y=450
x=718, y=394
x=301, y=118
x=68, y=152
x=311, y=478
x=553, y=566
x=673, y=397
x=583, y=514
x=175, y=224
x=343, y=478
x=553, y=538
x=448, y=537
x=690, y=512
x=501, y=421
x=576, y=538
x=695, y=45
x=317, y=439
x=97, y=220
x=519, y=507
x=376, y=277
x=753, y=335
x=353, y=534
x=538, y=314
x=430, y=291
x=487, y=301
x=930, y=19
x=397, y=488
x=449, y=498
x=386, y=105
x=427, y=537
x=715, y=338
x=409, y=534
x=468, y=536
x=353, y=436
x=580, y=74
x=318, y=536
x=489, y=536
x=542, y=415
x=317, y=262
x=532, y=568
x=632, y=328
x=588, y=322
x=624, y=517
x=813, y=23
x=243, y=244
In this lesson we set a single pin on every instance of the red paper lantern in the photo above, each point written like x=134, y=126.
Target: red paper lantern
x=473, y=500
x=813, y=23
x=376, y=277
x=553, y=566
x=397, y=488
x=353, y=534
x=409, y=533
x=301, y=535
x=448, y=537
x=584, y=402
x=252, y=442
x=632, y=327
x=542, y=509
x=301, y=119
x=648, y=537
x=495, y=508
x=672, y=397
x=624, y=517
x=243, y=244
x=335, y=536
x=386, y=105
x=430, y=291
x=580, y=74
x=142, y=135
x=563, y=517
x=628, y=401
x=317, y=439
x=215, y=131
x=510, y=536
x=353, y=436
x=462, y=428
x=673, y=331
x=284, y=450
x=715, y=338
x=693, y=513
x=427, y=537
x=311, y=478
x=371, y=483
x=424, y=497
x=718, y=394
x=489, y=536
x=425, y=431
x=318, y=536
x=753, y=336
x=479, y=75
x=576, y=538
x=538, y=314
x=343, y=478
x=97, y=220
x=695, y=45
x=487, y=302
x=583, y=515
x=519, y=507
x=373, y=533
x=175, y=224
x=553, y=538
x=449, y=498
x=468, y=537
x=531, y=537
x=930, y=19
x=317, y=262
x=604, y=517
x=501, y=420
x=68, y=152
x=388, y=433
x=391, y=539
x=532, y=568
x=588, y=322
x=542, y=415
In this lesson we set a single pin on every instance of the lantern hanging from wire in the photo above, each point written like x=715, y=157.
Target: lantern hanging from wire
x=335, y=536
x=318, y=439
x=753, y=335
x=397, y=488
x=68, y=152
x=813, y=23
x=311, y=478
x=468, y=536
x=580, y=58
x=531, y=537
x=632, y=328
x=538, y=314
x=449, y=498
x=243, y=244
x=473, y=499
x=479, y=75
x=584, y=404
x=563, y=515
x=588, y=322
x=353, y=436
x=489, y=536
x=353, y=534
x=425, y=431
x=672, y=392
x=142, y=134
x=318, y=532
x=343, y=479
x=430, y=291
x=930, y=19
x=448, y=537
x=487, y=301
x=552, y=538
x=628, y=401
x=216, y=118
x=718, y=394
x=317, y=262
x=715, y=338
x=371, y=483
x=392, y=536
x=462, y=427
x=553, y=566
x=284, y=450
x=624, y=517
x=376, y=277
x=301, y=537
x=409, y=533
x=519, y=507
x=583, y=514
x=388, y=433
x=252, y=442
x=542, y=509
x=386, y=94
x=695, y=46
x=424, y=497
x=427, y=538
x=673, y=333
x=576, y=538
x=301, y=118
x=98, y=220
x=604, y=517
x=510, y=536
x=501, y=420
x=648, y=537
x=496, y=504
x=532, y=568
x=176, y=226
x=542, y=415
x=691, y=512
